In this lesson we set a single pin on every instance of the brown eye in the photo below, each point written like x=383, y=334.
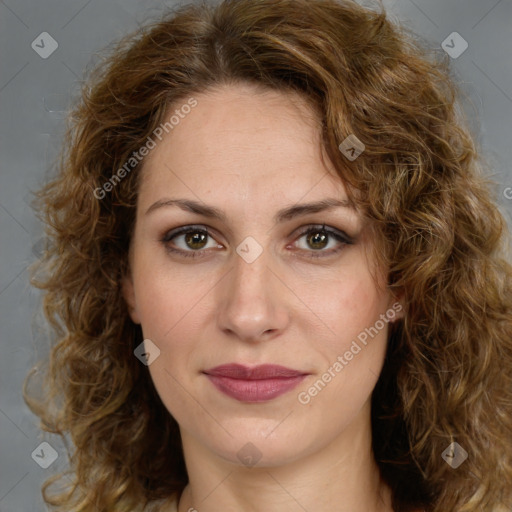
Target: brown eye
x=320, y=241
x=317, y=240
x=196, y=239
x=190, y=241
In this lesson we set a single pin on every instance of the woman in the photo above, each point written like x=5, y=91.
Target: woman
x=275, y=272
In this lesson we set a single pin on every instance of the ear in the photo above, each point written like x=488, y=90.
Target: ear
x=396, y=309
x=129, y=296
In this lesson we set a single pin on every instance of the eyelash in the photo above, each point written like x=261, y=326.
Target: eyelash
x=340, y=236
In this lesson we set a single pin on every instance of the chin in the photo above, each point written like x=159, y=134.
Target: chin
x=256, y=446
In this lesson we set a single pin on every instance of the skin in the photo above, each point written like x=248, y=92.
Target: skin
x=251, y=153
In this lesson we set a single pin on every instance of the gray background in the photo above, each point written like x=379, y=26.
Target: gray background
x=34, y=95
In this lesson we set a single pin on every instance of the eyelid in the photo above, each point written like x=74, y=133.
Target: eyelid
x=181, y=230
x=329, y=230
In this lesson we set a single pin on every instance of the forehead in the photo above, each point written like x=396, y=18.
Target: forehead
x=244, y=141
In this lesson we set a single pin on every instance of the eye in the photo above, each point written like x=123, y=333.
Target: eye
x=189, y=241
x=316, y=241
x=322, y=240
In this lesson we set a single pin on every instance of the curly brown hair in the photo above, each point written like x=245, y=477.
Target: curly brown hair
x=420, y=182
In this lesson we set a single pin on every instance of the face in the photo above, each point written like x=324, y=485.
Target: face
x=230, y=267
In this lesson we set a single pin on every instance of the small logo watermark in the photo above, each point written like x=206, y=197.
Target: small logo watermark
x=351, y=147
x=44, y=45
x=454, y=455
x=44, y=455
x=146, y=352
x=249, y=455
x=454, y=45
x=249, y=249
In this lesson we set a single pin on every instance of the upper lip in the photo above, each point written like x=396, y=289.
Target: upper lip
x=264, y=371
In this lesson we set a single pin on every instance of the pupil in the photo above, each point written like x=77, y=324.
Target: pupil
x=318, y=240
x=193, y=240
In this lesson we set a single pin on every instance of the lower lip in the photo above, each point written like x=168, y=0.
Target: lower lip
x=255, y=390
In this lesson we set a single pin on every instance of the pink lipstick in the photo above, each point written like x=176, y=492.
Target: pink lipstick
x=257, y=384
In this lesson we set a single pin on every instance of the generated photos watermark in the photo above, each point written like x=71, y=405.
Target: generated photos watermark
x=137, y=156
x=305, y=397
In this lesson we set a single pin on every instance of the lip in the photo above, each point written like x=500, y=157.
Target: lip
x=257, y=384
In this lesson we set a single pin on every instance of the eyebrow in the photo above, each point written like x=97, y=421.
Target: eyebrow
x=283, y=215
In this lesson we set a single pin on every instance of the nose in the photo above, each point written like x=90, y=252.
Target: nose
x=253, y=302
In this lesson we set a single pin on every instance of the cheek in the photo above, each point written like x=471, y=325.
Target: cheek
x=169, y=304
x=353, y=354
x=166, y=299
x=354, y=351
x=348, y=306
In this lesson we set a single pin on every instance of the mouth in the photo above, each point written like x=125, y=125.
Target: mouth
x=257, y=384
